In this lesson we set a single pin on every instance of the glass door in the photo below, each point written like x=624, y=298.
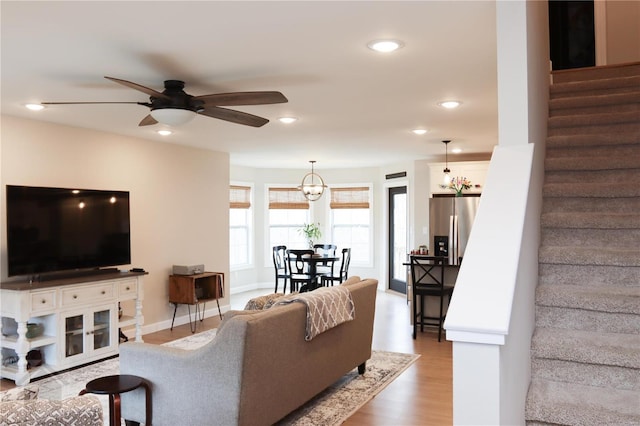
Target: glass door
x=101, y=329
x=74, y=329
x=398, y=239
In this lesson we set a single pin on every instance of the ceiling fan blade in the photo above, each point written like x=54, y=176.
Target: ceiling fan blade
x=242, y=98
x=88, y=103
x=234, y=116
x=140, y=88
x=148, y=120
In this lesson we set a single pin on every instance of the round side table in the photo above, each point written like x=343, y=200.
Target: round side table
x=114, y=386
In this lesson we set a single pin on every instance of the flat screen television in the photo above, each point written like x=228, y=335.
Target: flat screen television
x=66, y=229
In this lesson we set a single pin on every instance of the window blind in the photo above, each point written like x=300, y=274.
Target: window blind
x=350, y=198
x=239, y=197
x=287, y=198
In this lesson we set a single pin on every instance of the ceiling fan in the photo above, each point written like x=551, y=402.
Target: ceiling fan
x=173, y=106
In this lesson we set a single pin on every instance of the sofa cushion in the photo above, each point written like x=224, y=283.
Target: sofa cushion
x=75, y=411
x=23, y=393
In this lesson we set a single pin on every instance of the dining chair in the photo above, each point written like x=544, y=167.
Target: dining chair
x=427, y=279
x=325, y=268
x=344, y=270
x=299, y=270
x=281, y=267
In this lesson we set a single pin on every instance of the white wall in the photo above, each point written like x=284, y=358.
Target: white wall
x=622, y=31
x=178, y=196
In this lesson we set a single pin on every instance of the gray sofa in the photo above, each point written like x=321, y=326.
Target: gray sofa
x=257, y=369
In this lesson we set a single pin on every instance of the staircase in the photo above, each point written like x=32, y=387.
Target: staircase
x=586, y=345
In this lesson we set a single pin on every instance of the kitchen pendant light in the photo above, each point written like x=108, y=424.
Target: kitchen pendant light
x=312, y=186
x=447, y=177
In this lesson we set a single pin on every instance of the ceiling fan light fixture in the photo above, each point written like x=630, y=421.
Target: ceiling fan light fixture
x=450, y=104
x=164, y=132
x=385, y=46
x=312, y=185
x=288, y=120
x=172, y=116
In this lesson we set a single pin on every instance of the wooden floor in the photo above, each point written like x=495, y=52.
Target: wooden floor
x=422, y=395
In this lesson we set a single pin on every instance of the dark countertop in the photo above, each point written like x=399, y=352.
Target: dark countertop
x=56, y=281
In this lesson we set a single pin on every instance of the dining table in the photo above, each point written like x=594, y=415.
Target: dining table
x=314, y=261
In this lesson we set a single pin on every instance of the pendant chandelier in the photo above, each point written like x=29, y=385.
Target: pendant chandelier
x=312, y=186
x=447, y=178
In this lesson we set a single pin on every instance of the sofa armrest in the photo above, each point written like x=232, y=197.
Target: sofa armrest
x=81, y=410
x=187, y=386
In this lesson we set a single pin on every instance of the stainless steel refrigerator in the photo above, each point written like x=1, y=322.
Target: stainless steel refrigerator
x=450, y=222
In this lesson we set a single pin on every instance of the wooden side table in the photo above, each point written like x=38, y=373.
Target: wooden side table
x=195, y=289
x=114, y=386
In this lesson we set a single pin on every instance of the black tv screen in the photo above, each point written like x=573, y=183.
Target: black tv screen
x=64, y=229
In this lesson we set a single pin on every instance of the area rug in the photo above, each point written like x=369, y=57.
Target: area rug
x=331, y=407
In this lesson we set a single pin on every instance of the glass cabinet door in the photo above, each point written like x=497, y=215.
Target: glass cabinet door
x=74, y=335
x=101, y=329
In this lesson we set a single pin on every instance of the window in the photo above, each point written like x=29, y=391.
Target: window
x=288, y=212
x=351, y=222
x=240, y=219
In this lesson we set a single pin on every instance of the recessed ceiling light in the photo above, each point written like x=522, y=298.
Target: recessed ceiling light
x=450, y=104
x=385, y=46
x=35, y=107
x=164, y=132
x=419, y=131
x=287, y=120
x=456, y=150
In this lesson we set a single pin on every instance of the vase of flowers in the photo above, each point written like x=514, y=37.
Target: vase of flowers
x=311, y=232
x=458, y=184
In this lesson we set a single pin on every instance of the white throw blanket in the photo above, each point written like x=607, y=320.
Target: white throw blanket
x=327, y=307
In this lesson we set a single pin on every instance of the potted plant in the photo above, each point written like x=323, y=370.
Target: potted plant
x=311, y=232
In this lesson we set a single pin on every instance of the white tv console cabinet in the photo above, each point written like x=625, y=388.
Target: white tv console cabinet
x=78, y=316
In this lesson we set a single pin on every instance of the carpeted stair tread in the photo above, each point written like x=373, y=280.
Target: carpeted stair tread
x=591, y=163
x=602, y=85
x=590, y=347
x=575, y=404
x=559, y=104
x=591, y=205
x=609, y=376
x=614, y=298
x=599, y=220
x=625, y=69
x=592, y=177
x=587, y=320
x=579, y=255
x=595, y=238
x=605, y=118
x=593, y=139
x=600, y=190
x=595, y=128
x=588, y=275
x=601, y=151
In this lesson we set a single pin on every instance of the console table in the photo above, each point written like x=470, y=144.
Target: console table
x=78, y=315
x=195, y=289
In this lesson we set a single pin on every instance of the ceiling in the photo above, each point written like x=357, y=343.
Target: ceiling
x=355, y=107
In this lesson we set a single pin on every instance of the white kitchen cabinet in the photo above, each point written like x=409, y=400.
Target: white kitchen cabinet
x=475, y=171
